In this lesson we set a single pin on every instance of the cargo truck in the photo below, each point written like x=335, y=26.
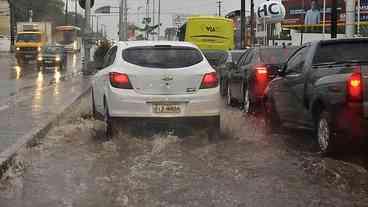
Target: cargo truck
x=31, y=37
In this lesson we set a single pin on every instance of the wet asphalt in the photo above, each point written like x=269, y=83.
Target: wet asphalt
x=75, y=165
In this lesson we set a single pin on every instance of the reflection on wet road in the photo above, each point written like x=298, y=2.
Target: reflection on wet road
x=16, y=79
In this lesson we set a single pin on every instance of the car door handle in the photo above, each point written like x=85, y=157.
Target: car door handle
x=295, y=75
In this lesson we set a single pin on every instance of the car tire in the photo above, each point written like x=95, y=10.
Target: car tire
x=94, y=112
x=223, y=88
x=326, y=136
x=109, y=124
x=248, y=105
x=214, y=129
x=272, y=118
x=229, y=98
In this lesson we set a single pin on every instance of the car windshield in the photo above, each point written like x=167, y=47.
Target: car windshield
x=29, y=38
x=52, y=50
x=162, y=57
x=236, y=56
x=216, y=58
x=342, y=51
x=275, y=55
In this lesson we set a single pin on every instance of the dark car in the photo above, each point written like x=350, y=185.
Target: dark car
x=323, y=86
x=249, y=79
x=223, y=62
x=52, y=56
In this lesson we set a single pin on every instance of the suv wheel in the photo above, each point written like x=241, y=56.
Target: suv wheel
x=325, y=135
x=272, y=119
x=248, y=105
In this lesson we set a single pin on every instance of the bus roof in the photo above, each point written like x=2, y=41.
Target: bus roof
x=68, y=28
x=29, y=32
x=209, y=18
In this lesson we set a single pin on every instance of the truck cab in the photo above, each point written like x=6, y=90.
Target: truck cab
x=31, y=38
x=28, y=45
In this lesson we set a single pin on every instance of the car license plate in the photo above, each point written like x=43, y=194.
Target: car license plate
x=48, y=61
x=28, y=56
x=166, y=108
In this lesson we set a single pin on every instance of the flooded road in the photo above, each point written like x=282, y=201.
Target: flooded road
x=19, y=79
x=75, y=165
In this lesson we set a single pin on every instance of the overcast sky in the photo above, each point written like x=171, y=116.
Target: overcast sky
x=168, y=9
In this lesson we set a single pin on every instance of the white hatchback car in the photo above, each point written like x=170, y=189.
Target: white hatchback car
x=166, y=80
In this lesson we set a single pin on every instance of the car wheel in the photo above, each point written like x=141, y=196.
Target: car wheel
x=214, y=129
x=94, y=113
x=109, y=127
x=272, y=119
x=325, y=134
x=229, y=98
x=248, y=105
x=223, y=88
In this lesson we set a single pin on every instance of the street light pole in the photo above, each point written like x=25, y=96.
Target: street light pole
x=159, y=20
x=76, y=13
x=66, y=11
x=242, y=24
x=252, y=18
x=86, y=42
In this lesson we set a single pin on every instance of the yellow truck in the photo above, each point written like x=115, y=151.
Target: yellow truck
x=31, y=38
x=208, y=32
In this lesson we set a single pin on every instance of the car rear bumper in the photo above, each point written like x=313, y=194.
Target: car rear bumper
x=351, y=121
x=128, y=103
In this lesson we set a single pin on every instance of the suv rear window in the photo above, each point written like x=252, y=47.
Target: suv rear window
x=275, y=55
x=342, y=51
x=216, y=58
x=162, y=57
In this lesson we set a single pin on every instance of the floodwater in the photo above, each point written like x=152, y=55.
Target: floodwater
x=75, y=165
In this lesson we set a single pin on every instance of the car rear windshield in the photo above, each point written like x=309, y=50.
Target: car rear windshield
x=216, y=58
x=162, y=57
x=341, y=51
x=236, y=56
x=275, y=55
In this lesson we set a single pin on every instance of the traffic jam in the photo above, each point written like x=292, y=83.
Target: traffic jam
x=266, y=107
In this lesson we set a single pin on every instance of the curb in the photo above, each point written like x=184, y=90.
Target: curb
x=30, y=139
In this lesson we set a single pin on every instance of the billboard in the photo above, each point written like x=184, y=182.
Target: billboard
x=310, y=12
x=4, y=18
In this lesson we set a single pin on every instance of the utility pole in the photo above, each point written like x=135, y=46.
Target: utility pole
x=31, y=15
x=242, y=24
x=76, y=13
x=12, y=26
x=159, y=20
x=219, y=2
x=153, y=16
x=86, y=42
x=350, y=17
x=147, y=17
x=334, y=19
x=66, y=11
x=252, y=19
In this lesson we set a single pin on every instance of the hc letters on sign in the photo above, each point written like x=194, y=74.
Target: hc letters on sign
x=268, y=10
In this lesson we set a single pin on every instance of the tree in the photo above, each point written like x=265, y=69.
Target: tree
x=50, y=10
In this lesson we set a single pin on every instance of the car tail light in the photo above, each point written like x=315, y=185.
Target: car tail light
x=210, y=80
x=355, y=86
x=261, y=72
x=120, y=80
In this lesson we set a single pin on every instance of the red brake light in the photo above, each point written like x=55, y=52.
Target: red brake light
x=120, y=80
x=261, y=72
x=210, y=80
x=355, y=87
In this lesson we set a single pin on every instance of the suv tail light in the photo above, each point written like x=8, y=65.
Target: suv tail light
x=210, y=80
x=355, y=86
x=261, y=72
x=120, y=80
